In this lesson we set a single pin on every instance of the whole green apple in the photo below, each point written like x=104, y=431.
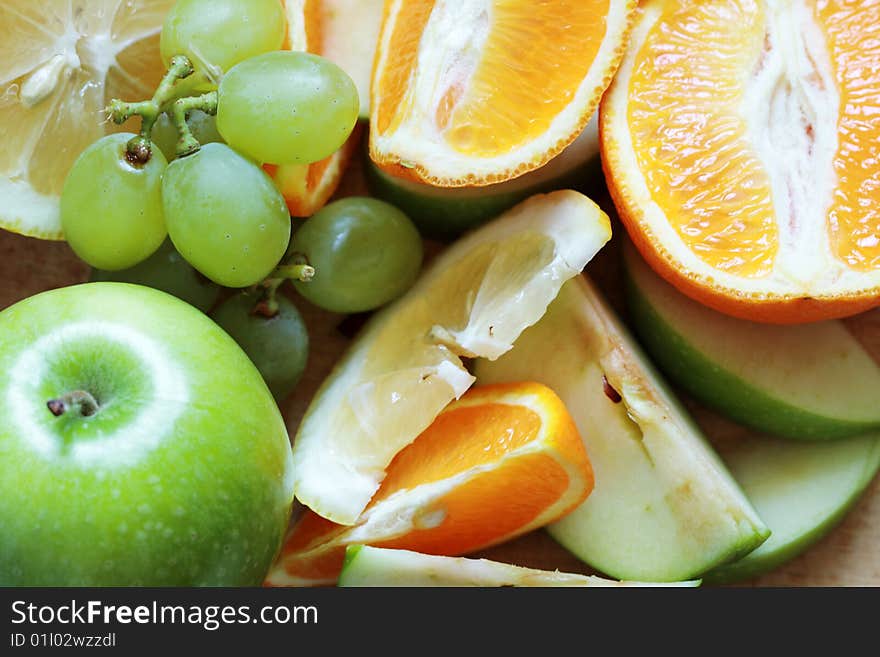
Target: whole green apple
x=138, y=445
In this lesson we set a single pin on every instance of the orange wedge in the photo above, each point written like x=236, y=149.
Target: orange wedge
x=307, y=187
x=474, y=93
x=741, y=142
x=499, y=462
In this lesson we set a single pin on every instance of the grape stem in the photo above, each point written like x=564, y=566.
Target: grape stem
x=186, y=143
x=139, y=149
x=267, y=306
x=78, y=401
x=294, y=272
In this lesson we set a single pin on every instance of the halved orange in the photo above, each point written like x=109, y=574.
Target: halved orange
x=741, y=142
x=474, y=93
x=501, y=461
x=307, y=187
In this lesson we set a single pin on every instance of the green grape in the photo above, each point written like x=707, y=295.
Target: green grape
x=287, y=107
x=278, y=345
x=225, y=215
x=202, y=125
x=365, y=253
x=166, y=270
x=111, y=208
x=217, y=34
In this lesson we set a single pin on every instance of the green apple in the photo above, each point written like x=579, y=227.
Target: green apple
x=664, y=507
x=372, y=566
x=800, y=489
x=802, y=381
x=138, y=445
x=444, y=213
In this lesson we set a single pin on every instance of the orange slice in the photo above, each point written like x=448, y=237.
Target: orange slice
x=307, y=187
x=476, y=92
x=741, y=142
x=60, y=64
x=499, y=462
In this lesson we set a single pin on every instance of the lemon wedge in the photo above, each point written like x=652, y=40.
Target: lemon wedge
x=405, y=366
x=60, y=64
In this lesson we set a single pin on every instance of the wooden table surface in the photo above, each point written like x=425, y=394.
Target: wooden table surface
x=848, y=556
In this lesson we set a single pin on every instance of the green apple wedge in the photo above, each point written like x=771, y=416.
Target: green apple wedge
x=807, y=381
x=443, y=213
x=664, y=508
x=138, y=445
x=372, y=566
x=800, y=489
x=782, y=378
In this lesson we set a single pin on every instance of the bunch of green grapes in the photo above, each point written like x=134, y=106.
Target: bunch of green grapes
x=185, y=205
x=198, y=181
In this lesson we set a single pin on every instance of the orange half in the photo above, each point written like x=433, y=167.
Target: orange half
x=499, y=462
x=307, y=187
x=741, y=143
x=478, y=92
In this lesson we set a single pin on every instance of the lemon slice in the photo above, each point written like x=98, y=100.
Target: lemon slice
x=405, y=366
x=60, y=63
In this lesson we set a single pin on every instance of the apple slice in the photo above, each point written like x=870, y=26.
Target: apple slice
x=801, y=491
x=800, y=381
x=664, y=507
x=371, y=566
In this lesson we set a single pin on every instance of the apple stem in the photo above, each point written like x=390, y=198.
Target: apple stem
x=78, y=401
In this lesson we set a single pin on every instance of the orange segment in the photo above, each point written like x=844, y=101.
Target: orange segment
x=404, y=31
x=477, y=92
x=499, y=462
x=459, y=438
x=306, y=188
x=514, y=96
x=465, y=527
x=853, y=33
x=741, y=143
x=690, y=137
